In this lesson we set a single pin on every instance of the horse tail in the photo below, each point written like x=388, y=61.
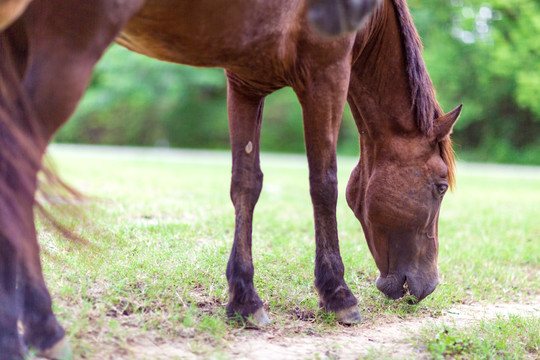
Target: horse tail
x=21, y=153
x=17, y=157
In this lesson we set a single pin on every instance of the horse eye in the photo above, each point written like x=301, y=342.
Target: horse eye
x=441, y=189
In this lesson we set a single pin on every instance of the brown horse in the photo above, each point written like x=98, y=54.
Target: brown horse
x=334, y=17
x=10, y=10
x=406, y=163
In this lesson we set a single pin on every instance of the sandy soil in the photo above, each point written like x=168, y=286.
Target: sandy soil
x=391, y=336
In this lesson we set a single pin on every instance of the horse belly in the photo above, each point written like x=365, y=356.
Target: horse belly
x=212, y=33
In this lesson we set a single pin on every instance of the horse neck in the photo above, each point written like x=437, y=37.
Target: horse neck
x=380, y=93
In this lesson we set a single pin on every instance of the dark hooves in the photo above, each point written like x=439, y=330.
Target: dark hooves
x=258, y=319
x=349, y=316
x=59, y=351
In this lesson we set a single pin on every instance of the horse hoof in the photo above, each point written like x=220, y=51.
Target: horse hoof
x=259, y=319
x=59, y=351
x=349, y=315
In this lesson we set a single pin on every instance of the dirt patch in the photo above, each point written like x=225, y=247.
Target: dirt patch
x=391, y=336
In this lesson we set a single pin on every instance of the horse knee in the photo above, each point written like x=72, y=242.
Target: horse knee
x=246, y=186
x=323, y=189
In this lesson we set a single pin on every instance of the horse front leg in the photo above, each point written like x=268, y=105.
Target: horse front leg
x=323, y=102
x=245, y=115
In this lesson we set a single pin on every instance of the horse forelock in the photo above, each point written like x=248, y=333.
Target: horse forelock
x=423, y=96
x=447, y=154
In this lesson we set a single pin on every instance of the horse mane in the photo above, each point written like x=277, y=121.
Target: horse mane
x=423, y=96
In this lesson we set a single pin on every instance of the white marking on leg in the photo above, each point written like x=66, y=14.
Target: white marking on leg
x=249, y=147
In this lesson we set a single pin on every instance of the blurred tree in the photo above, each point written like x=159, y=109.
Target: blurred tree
x=135, y=100
x=485, y=54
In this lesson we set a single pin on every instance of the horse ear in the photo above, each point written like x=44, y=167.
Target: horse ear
x=443, y=125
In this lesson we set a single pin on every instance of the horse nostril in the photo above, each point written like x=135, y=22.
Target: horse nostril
x=420, y=288
x=414, y=287
x=391, y=285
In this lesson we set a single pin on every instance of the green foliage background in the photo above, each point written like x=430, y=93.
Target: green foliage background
x=482, y=53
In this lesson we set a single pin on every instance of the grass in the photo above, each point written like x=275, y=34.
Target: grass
x=512, y=337
x=161, y=226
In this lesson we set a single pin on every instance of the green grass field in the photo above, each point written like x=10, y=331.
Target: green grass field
x=160, y=225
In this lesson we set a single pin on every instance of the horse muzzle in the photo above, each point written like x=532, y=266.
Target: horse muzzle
x=395, y=286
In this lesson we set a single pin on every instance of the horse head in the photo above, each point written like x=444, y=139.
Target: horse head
x=396, y=193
